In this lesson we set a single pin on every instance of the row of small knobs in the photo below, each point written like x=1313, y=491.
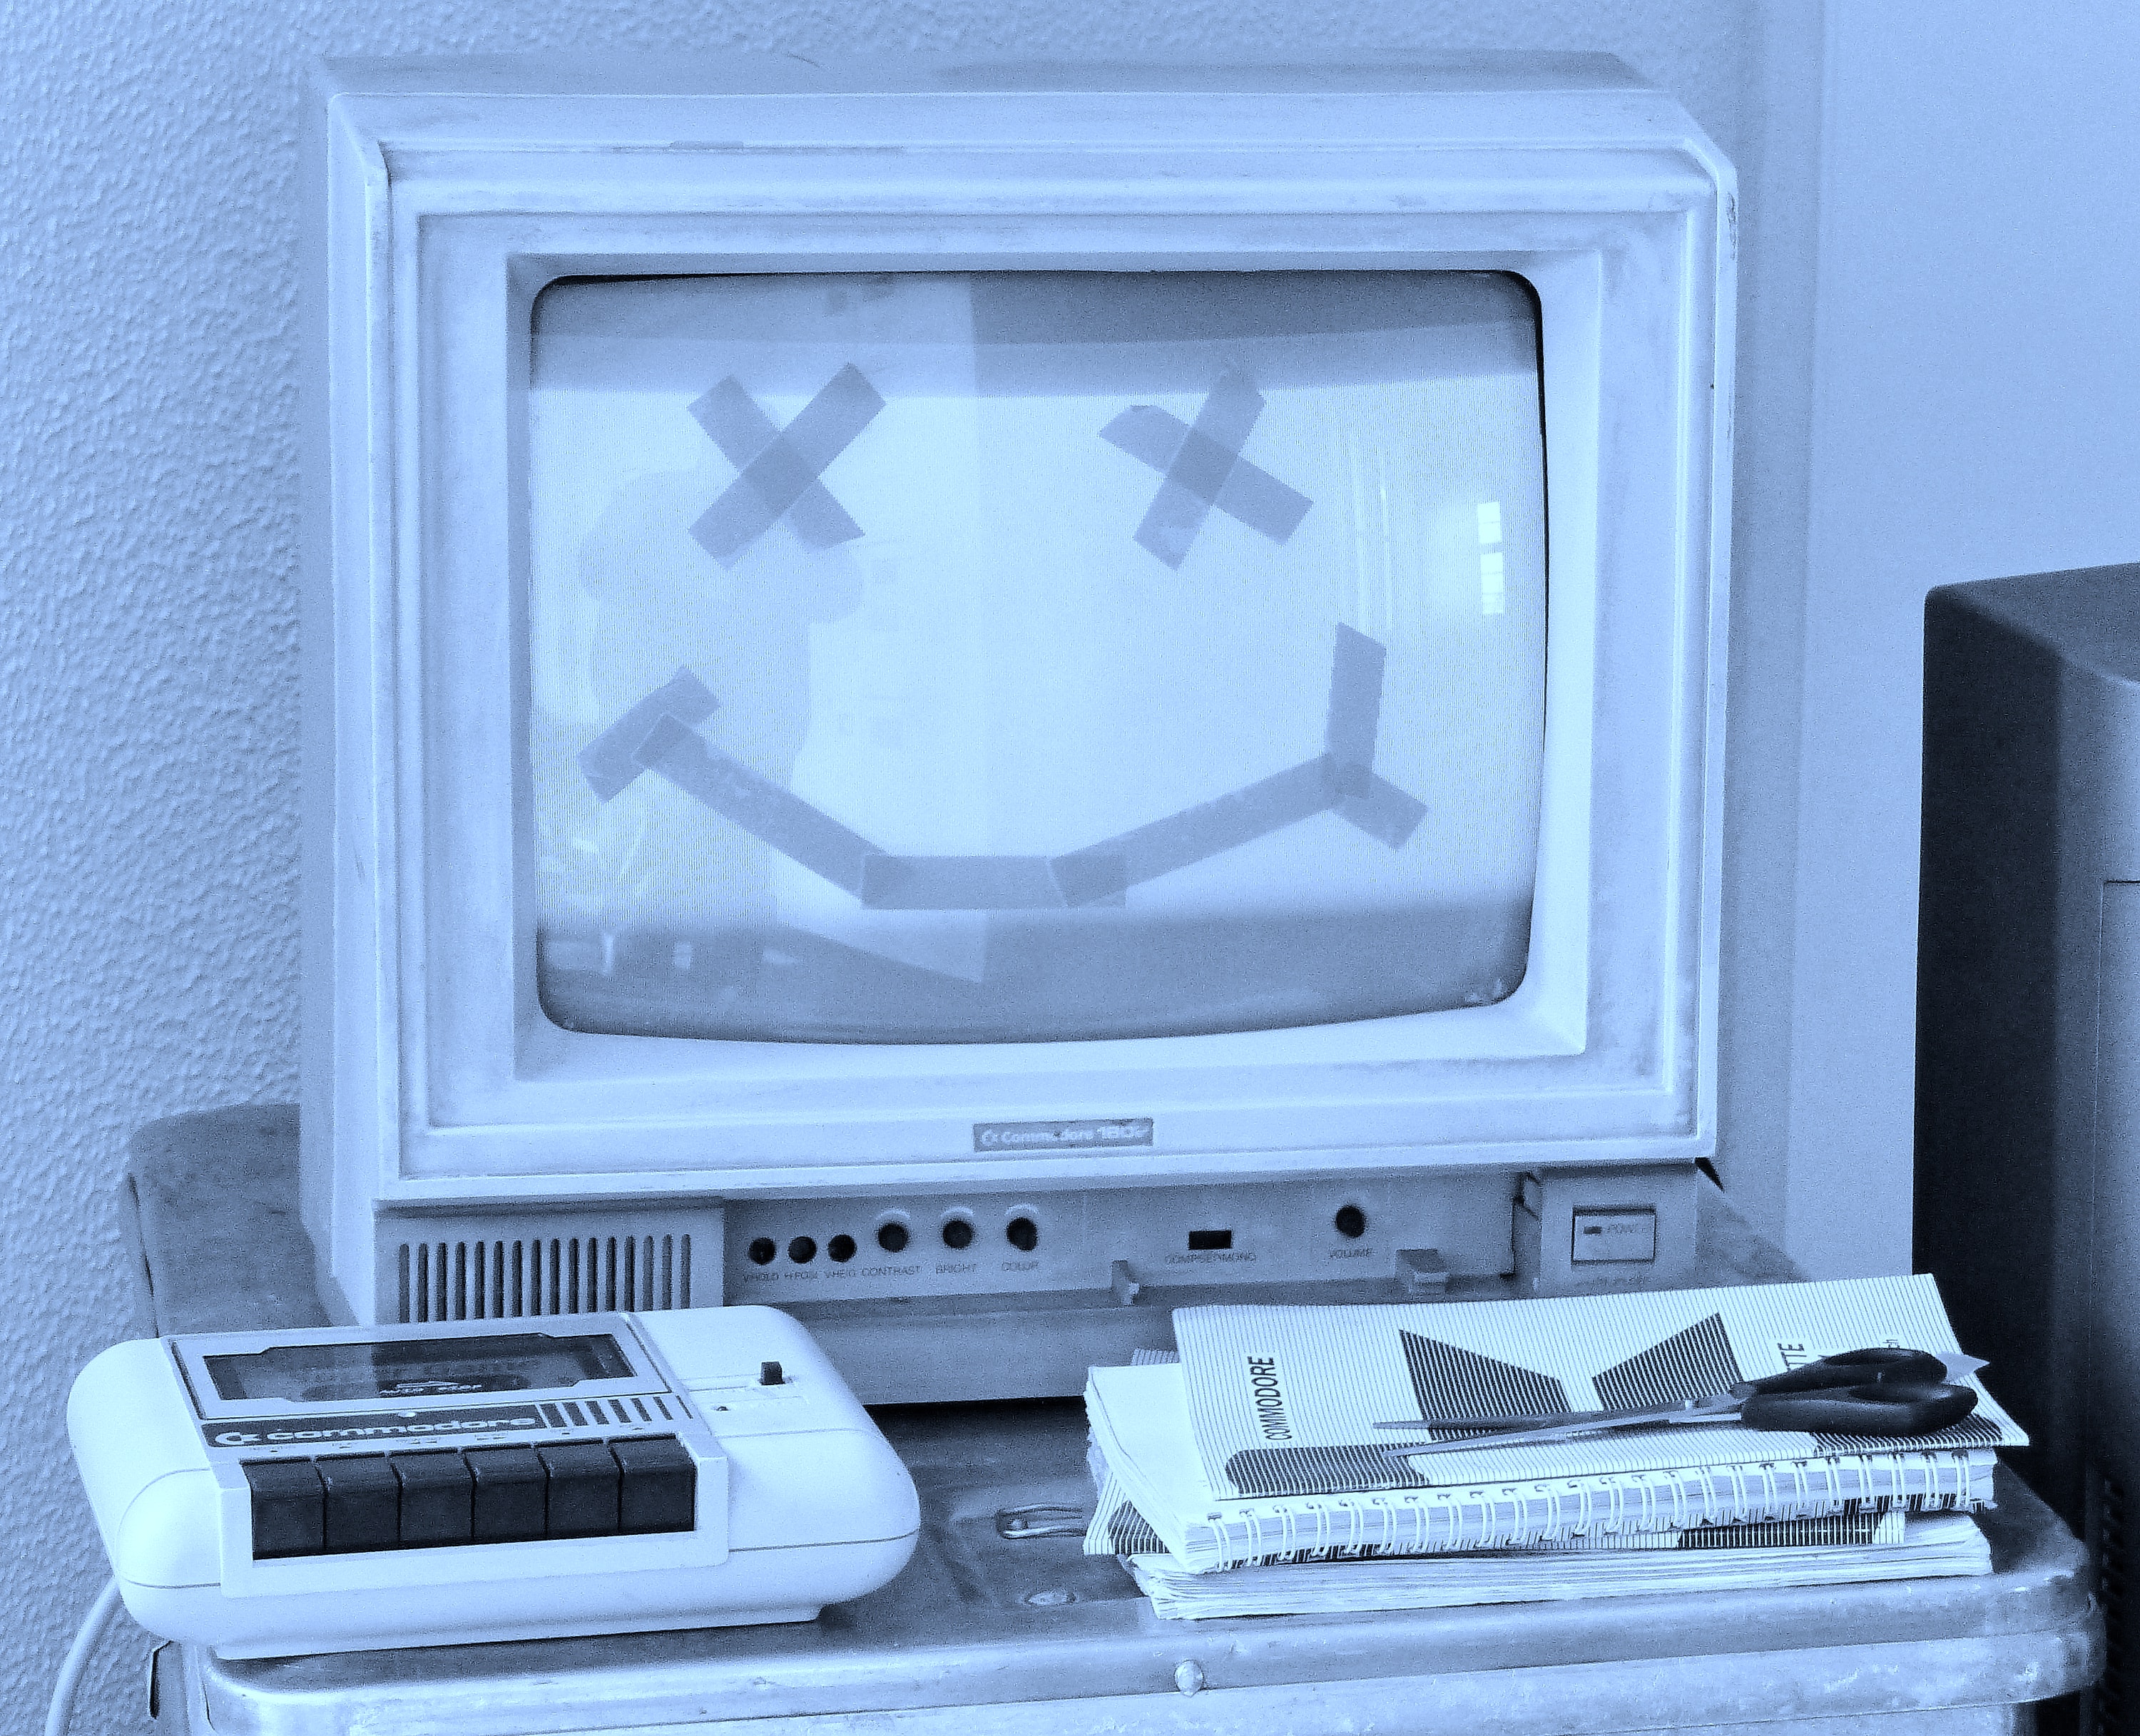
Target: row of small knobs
x=1022, y=1234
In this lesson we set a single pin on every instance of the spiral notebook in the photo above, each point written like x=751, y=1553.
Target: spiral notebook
x=1259, y=1444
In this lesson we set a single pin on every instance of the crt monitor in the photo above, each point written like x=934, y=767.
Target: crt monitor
x=975, y=699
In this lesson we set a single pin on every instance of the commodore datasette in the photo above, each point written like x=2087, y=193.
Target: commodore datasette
x=337, y=1489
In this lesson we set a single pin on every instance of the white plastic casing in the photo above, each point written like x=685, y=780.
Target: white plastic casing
x=449, y=193
x=802, y=1503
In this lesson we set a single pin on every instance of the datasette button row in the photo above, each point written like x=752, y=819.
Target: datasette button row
x=345, y=1503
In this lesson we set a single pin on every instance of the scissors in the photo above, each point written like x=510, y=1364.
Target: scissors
x=1879, y=1391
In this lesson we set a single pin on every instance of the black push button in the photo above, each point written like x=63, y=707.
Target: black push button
x=660, y=1485
x=289, y=1508
x=364, y=1503
x=437, y=1498
x=508, y=1506
x=583, y=1489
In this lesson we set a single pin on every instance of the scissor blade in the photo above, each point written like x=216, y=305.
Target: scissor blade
x=1564, y=1431
x=1959, y=1367
x=1536, y=1420
x=1582, y=1420
x=1578, y=1420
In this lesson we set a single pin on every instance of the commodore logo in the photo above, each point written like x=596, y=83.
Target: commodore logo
x=1060, y=1135
x=1268, y=1398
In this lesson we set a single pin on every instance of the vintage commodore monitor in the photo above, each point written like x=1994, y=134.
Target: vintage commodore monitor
x=977, y=699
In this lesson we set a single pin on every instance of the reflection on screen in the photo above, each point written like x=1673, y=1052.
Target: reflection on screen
x=1025, y=656
x=418, y=1368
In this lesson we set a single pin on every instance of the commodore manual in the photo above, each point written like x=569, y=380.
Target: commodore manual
x=1259, y=1443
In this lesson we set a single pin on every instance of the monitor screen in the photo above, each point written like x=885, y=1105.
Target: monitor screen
x=1030, y=656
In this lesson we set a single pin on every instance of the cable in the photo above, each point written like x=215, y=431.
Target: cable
x=85, y=1642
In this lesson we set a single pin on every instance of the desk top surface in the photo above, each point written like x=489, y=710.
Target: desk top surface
x=979, y=1620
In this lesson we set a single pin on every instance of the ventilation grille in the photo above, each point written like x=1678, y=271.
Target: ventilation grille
x=2105, y=1513
x=439, y=1270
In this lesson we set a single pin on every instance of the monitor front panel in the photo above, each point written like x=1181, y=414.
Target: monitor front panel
x=1025, y=656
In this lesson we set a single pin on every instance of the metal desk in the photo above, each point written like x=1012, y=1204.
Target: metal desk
x=985, y=1633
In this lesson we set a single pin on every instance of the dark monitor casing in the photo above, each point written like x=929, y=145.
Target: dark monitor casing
x=2028, y=1118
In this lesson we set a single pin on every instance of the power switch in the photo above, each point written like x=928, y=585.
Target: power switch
x=1614, y=1235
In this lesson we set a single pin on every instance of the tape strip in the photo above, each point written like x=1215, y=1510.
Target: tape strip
x=1356, y=709
x=960, y=883
x=1385, y=813
x=1147, y=433
x=734, y=423
x=779, y=468
x=608, y=760
x=1238, y=817
x=799, y=831
x=658, y=734
x=1261, y=502
x=1208, y=452
x=1202, y=467
x=1092, y=876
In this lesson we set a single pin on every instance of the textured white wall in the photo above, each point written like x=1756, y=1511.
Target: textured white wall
x=1976, y=414
x=148, y=658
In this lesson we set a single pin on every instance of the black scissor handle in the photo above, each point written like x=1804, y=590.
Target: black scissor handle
x=1880, y=1362
x=1885, y=1408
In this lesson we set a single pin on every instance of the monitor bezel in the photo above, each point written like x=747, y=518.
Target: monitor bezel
x=448, y=1083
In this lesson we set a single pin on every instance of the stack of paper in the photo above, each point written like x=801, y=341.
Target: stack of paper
x=1895, y=1548
x=1258, y=1447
